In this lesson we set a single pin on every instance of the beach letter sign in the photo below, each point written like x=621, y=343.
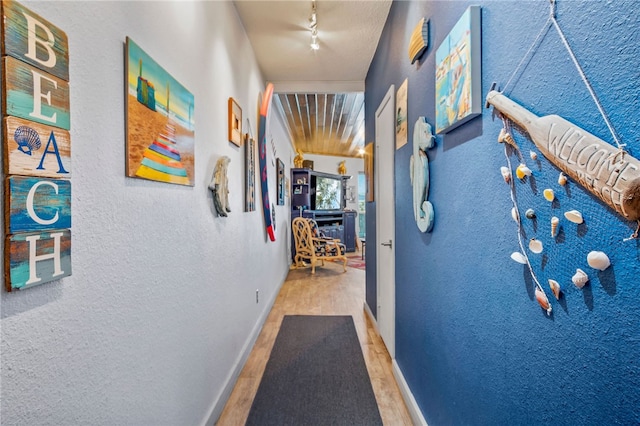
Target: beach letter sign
x=34, y=258
x=36, y=148
x=32, y=149
x=37, y=204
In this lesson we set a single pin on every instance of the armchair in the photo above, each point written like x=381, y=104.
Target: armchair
x=311, y=246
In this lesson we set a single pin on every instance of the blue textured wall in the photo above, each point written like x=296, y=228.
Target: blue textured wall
x=471, y=341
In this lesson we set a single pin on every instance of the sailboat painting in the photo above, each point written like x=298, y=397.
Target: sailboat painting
x=160, y=124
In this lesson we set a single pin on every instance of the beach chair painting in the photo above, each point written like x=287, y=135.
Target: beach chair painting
x=160, y=125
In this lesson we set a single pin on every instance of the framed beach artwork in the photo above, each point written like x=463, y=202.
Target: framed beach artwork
x=458, y=73
x=160, y=132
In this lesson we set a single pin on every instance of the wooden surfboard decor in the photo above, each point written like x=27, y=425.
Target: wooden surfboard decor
x=262, y=148
x=598, y=166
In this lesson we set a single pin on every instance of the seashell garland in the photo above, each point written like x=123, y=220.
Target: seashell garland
x=515, y=215
x=522, y=170
x=549, y=195
x=598, y=260
x=506, y=174
x=535, y=246
x=580, y=278
x=562, y=179
x=554, y=226
x=543, y=301
x=519, y=257
x=555, y=288
x=574, y=216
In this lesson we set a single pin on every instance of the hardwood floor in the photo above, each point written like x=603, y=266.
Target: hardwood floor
x=329, y=292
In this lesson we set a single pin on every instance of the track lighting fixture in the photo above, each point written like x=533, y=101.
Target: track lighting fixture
x=313, y=26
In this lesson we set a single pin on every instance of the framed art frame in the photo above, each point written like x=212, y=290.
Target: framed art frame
x=368, y=171
x=458, y=73
x=250, y=174
x=281, y=182
x=235, y=122
x=401, y=114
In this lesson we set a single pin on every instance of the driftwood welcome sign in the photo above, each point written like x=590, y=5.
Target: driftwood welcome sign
x=37, y=148
x=612, y=176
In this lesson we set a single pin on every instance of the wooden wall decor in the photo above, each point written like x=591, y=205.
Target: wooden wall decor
x=37, y=148
x=419, y=40
x=35, y=203
x=34, y=95
x=34, y=149
x=250, y=174
x=595, y=164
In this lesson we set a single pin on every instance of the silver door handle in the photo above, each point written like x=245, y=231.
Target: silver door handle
x=389, y=244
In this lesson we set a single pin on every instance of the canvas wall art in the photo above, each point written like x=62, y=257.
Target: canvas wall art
x=458, y=73
x=160, y=123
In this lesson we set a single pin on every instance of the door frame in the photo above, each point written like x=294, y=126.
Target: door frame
x=379, y=155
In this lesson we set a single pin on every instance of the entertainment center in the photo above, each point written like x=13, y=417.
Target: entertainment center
x=322, y=197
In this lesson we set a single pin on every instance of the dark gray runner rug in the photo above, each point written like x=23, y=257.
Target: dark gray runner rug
x=315, y=375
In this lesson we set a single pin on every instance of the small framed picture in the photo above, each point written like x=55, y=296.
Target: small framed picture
x=235, y=122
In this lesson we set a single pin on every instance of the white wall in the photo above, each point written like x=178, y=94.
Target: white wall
x=161, y=307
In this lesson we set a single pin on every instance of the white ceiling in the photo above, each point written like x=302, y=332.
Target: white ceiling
x=319, y=93
x=348, y=34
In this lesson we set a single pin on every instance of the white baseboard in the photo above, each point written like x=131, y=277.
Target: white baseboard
x=223, y=397
x=409, y=400
x=407, y=396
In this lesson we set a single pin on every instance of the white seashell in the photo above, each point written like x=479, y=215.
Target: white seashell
x=533, y=155
x=554, y=226
x=580, y=278
x=522, y=170
x=541, y=297
x=562, y=179
x=530, y=214
x=515, y=215
x=506, y=174
x=555, y=288
x=549, y=195
x=519, y=257
x=598, y=260
x=535, y=246
x=574, y=216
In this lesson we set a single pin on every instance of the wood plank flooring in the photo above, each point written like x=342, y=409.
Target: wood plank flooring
x=328, y=292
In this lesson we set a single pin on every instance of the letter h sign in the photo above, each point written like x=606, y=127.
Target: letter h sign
x=36, y=148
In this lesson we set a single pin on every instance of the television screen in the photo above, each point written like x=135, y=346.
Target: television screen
x=328, y=193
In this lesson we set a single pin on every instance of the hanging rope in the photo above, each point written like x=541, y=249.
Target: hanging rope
x=585, y=79
x=543, y=30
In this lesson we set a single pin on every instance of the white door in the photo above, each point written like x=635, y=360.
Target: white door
x=385, y=219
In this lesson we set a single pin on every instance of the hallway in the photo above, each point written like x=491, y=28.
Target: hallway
x=329, y=292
